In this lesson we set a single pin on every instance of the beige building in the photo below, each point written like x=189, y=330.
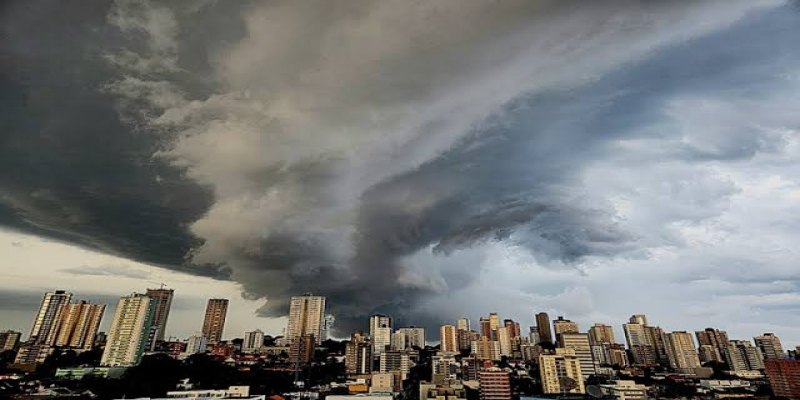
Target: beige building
x=486, y=349
x=9, y=340
x=579, y=343
x=543, y=327
x=306, y=317
x=130, y=331
x=214, y=321
x=45, y=325
x=408, y=338
x=770, y=346
x=448, y=339
x=561, y=325
x=681, y=351
x=77, y=325
x=560, y=373
x=624, y=390
x=602, y=333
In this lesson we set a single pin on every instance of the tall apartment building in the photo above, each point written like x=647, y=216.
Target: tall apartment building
x=408, y=338
x=9, y=340
x=784, y=377
x=640, y=341
x=253, y=341
x=561, y=325
x=463, y=324
x=560, y=373
x=741, y=355
x=448, y=339
x=46, y=322
x=717, y=341
x=579, y=343
x=380, y=333
x=214, y=321
x=513, y=328
x=602, y=333
x=163, y=303
x=306, y=317
x=504, y=338
x=495, y=384
x=770, y=346
x=77, y=325
x=130, y=331
x=396, y=360
x=682, y=352
x=543, y=327
x=358, y=355
x=486, y=349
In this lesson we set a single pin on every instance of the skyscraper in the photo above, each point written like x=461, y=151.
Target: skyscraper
x=579, y=343
x=77, y=325
x=561, y=325
x=448, y=339
x=560, y=373
x=717, y=342
x=408, y=338
x=214, y=322
x=640, y=342
x=358, y=355
x=9, y=340
x=48, y=316
x=463, y=324
x=130, y=331
x=543, y=327
x=601, y=333
x=770, y=346
x=306, y=317
x=681, y=351
x=163, y=303
x=741, y=355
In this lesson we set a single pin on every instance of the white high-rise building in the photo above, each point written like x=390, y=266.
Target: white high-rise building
x=408, y=338
x=306, y=317
x=252, y=341
x=463, y=324
x=196, y=344
x=131, y=331
x=380, y=333
x=45, y=325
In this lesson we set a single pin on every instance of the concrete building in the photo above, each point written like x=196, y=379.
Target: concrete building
x=32, y=352
x=770, y=346
x=196, y=344
x=560, y=373
x=561, y=325
x=579, y=343
x=463, y=324
x=741, y=355
x=784, y=377
x=395, y=360
x=380, y=333
x=301, y=350
x=306, y=317
x=163, y=303
x=131, y=330
x=214, y=321
x=504, y=338
x=495, y=384
x=640, y=342
x=624, y=390
x=77, y=325
x=45, y=325
x=682, y=353
x=486, y=349
x=714, y=341
x=448, y=339
x=601, y=333
x=358, y=355
x=408, y=338
x=253, y=341
x=10, y=340
x=543, y=328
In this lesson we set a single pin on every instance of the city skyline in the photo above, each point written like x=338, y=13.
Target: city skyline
x=430, y=163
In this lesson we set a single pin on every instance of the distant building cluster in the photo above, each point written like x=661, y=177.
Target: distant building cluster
x=488, y=361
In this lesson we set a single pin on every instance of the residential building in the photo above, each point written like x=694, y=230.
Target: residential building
x=579, y=343
x=358, y=355
x=196, y=344
x=560, y=373
x=640, y=342
x=741, y=355
x=770, y=346
x=253, y=341
x=214, y=321
x=504, y=338
x=463, y=324
x=32, y=352
x=408, y=338
x=561, y=325
x=395, y=360
x=301, y=350
x=543, y=328
x=716, y=339
x=306, y=317
x=495, y=384
x=448, y=339
x=486, y=349
x=131, y=330
x=9, y=340
x=681, y=351
x=163, y=303
x=77, y=325
x=601, y=333
x=624, y=390
x=45, y=324
x=380, y=333
x=784, y=377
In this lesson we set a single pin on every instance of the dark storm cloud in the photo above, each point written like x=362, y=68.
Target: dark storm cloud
x=206, y=139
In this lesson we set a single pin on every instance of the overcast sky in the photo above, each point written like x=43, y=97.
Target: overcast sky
x=430, y=160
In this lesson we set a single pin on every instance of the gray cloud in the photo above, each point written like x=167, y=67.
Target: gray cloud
x=365, y=163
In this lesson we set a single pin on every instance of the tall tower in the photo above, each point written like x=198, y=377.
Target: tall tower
x=770, y=346
x=130, y=331
x=448, y=339
x=214, y=322
x=682, y=351
x=306, y=317
x=163, y=302
x=45, y=324
x=543, y=327
x=77, y=325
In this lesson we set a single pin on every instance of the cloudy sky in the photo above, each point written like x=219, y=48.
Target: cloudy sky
x=430, y=160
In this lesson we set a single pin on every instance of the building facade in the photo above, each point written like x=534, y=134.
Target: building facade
x=163, y=303
x=306, y=317
x=130, y=331
x=214, y=321
x=46, y=322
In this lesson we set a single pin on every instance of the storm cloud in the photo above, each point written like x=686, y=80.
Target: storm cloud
x=380, y=153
